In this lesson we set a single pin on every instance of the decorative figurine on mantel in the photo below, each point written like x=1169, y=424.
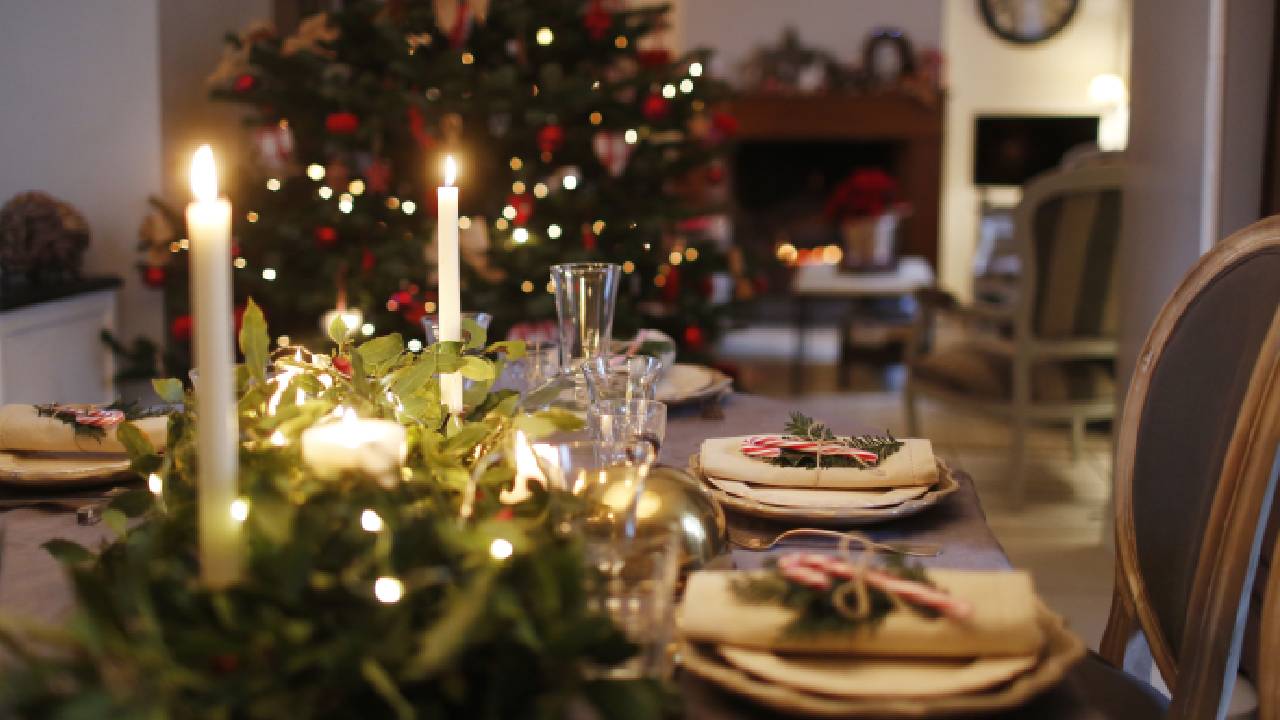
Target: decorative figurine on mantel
x=42, y=240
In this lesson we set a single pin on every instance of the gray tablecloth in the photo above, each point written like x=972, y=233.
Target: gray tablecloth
x=32, y=584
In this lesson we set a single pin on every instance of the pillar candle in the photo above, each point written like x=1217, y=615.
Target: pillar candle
x=449, y=279
x=217, y=445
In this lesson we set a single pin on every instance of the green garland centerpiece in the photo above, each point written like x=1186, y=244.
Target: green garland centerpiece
x=808, y=443
x=357, y=600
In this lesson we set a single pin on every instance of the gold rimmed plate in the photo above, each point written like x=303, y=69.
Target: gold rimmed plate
x=685, y=382
x=60, y=470
x=985, y=686
x=836, y=516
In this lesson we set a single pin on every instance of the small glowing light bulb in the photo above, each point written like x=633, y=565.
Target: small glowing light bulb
x=501, y=549
x=371, y=521
x=155, y=483
x=388, y=590
x=631, y=137
x=695, y=69
x=278, y=439
x=570, y=182
x=553, y=231
x=315, y=171
x=544, y=36
x=239, y=509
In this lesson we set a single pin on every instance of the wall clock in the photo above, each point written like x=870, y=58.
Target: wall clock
x=1027, y=21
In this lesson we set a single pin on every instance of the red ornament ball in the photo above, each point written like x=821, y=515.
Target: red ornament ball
x=725, y=124
x=180, y=328
x=694, y=338
x=656, y=107
x=523, y=203
x=342, y=123
x=656, y=58
x=244, y=83
x=550, y=138
x=326, y=236
x=154, y=276
x=597, y=20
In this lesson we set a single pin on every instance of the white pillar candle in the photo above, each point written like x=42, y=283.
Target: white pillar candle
x=217, y=445
x=372, y=446
x=449, y=289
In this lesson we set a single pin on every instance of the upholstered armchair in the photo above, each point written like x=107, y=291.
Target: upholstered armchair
x=1046, y=353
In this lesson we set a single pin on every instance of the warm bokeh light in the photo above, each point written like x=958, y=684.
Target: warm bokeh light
x=450, y=170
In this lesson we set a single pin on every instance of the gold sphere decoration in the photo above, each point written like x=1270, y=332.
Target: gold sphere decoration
x=673, y=498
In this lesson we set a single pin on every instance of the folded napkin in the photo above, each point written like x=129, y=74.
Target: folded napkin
x=1004, y=621
x=819, y=498
x=913, y=464
x=22, y=428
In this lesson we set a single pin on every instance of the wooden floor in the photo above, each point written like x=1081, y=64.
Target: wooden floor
x=1061, y=535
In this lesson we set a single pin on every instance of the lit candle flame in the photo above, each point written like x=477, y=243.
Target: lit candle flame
x=526, y=469
x=450, y=170
x=204, y=175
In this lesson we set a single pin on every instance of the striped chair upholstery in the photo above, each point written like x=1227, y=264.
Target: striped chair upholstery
x=1075, y=241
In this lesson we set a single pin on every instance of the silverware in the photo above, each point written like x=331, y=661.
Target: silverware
x=914, y=549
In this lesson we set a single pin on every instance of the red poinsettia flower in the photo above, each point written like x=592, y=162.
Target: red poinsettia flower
x=342, y=123
x=867, y=192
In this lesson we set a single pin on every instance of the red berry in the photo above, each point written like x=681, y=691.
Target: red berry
x=326, y=236
x=342, y=365
x=694, y=337
x=180, y=328
x=244, y=83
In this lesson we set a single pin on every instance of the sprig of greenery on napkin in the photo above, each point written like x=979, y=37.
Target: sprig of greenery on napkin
x=802, y=426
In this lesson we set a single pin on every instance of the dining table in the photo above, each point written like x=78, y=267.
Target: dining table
x=33, y=585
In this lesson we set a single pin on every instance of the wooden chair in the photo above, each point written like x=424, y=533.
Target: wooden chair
x=1194, y=470
x=1047, y=356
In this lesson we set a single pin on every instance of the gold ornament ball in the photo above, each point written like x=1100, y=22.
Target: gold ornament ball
x=672, y=498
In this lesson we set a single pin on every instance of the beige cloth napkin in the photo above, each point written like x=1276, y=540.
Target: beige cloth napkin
x=818, y=498
x=23, y=429
x=914, y=464
x=1004, y=621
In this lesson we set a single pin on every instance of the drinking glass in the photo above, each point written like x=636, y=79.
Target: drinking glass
x=431, y=325
x=622, y=378
x=635, y=587
x=586, y=294
x=608, y=476
x=622, y=420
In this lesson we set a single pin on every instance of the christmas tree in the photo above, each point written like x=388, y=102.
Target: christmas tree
x=575, y=143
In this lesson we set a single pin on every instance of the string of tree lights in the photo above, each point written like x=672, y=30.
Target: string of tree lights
x=577, y=141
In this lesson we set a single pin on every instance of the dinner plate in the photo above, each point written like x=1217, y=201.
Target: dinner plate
x=841, y=516
x=45, y=470
x=685, y=382
x=1063, y=649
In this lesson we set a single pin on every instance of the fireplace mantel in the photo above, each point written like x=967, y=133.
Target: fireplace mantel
x=913, y=127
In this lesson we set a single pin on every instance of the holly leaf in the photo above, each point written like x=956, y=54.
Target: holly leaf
x=254, y=341
x=513, y=349
x=475, y=368
x=135, y=442
x=169, y=389
x=67, y=552
x=474, y=334
x=338, y=330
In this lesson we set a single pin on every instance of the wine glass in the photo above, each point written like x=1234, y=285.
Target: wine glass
x=622, y=378
x=622, y=420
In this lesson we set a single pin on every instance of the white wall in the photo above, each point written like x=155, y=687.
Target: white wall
x=735, y=28
x=80, y=118
x=1165, y=203
x=988, y=75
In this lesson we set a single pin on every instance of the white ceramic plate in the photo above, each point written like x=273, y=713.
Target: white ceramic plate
x=1063, y=649
x=685, y=382
x=62, y=470
x=847, y=516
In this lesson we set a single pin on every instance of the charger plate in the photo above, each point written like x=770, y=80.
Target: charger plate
x=841, y=516
x=685, y=382
x=51, y=470
x=1063, y=649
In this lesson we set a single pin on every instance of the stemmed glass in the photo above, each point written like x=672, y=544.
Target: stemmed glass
x=621, y=378
x=622, y=420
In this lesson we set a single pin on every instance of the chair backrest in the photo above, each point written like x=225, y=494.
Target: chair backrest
x=1067, y=231
x=1184, y=434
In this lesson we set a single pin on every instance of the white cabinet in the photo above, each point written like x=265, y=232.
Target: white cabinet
x=52, y=351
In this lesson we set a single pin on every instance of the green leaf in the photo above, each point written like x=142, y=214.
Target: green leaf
x=625, y=699
x=475, y=368
x=410, y=378
x=169, y=389
x=338, y=330
x=453, y=629
x=133, y=503
x=474, y=334
x=115, y=520
x=254, y=341
x=513, y=349
x=67, y=552
x=135, y=442
x=383, y=684
x=380, y=351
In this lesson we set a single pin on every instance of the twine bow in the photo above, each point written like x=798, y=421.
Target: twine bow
x=851, y=596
